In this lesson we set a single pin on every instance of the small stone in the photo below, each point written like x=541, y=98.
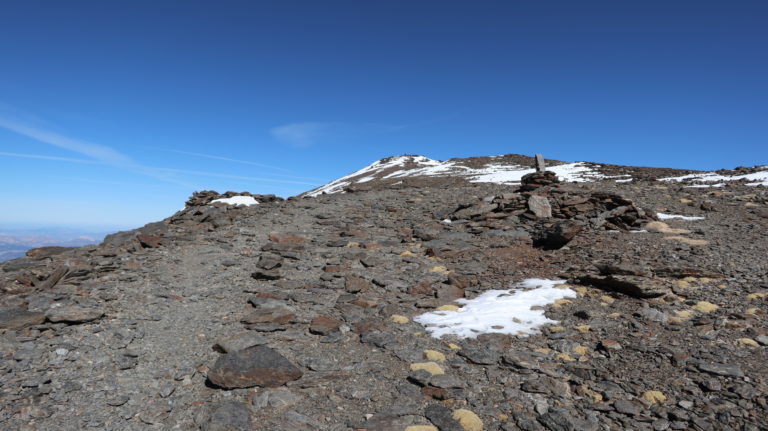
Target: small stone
x=654, y=397
x=439, y=269
x=324, y=325
x=748, y=342
x=583, y=328
x=610, y=344
x=434, y=355
x=149, y=241
x=118, y=401
x=401, y=320
x=705, y=307
x=430, y=367
x=421, y=428
x=73, y=314
x=468, y=420
x=442, y=417
x=580, y=350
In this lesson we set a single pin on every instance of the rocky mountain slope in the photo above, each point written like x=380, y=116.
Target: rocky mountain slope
x=320, y=313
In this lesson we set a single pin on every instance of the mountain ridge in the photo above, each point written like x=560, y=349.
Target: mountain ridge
x=643, y=307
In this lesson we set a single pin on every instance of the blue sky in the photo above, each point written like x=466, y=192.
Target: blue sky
x=112, y=113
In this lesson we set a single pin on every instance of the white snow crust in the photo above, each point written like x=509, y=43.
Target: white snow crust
x=499, y=311
x=238, y=200
x=759, y=178
x=663, y=216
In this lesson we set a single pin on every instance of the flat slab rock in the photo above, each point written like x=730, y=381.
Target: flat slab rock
x=73, y=314
x=17, y=318
x=254, y=366
x=639, y=287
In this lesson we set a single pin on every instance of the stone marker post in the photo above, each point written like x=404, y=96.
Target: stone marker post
x=540, y=166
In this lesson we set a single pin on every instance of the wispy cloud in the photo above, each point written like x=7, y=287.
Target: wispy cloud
x=97, y=152
x=42, y=157
x=226, y=159
x=244, y=162
x=305, y=134
x=104, y=155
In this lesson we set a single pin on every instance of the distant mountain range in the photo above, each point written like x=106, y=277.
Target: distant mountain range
x=15, y=242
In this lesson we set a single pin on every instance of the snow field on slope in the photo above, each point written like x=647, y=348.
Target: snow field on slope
x=499, y=311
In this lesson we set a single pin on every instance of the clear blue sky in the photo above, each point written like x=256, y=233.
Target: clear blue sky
x=113, y=112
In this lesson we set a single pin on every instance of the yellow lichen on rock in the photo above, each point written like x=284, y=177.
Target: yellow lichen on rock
x=583, y=328
x=439, y=269
x=543, y=350
x=399, y=319
x=756, y=295
x=468, y=420
x=580, y=350
x=430, y=367
x=686, y=240
x=654, y=397
x=705, y=307
x=434, y=355
x=607, y=299
x=557, y=328
x=596, y=396
x=447, y=307
x=564, y=357
x=748, y=342
x=754, y=311
x=352, y=244
x=658, y=226
x=560, y=302
x=454, y=346
x=406, y=253
x=421, y=428
x=581, y=290
x=614, y=315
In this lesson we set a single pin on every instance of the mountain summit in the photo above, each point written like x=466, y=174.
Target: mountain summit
x=412, y=295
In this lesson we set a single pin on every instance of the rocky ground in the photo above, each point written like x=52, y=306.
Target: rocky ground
x=298, y=314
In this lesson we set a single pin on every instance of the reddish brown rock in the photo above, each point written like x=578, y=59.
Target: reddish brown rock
x=354, y=284
x=43, y=252
x=290, y=238
x=324, y=325
x=149, y=241
x=254, y=366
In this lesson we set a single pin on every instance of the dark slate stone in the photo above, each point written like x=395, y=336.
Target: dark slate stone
x=254, y=366
x=17, y=318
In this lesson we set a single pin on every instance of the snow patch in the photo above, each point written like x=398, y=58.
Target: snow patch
x=663, y=216
x=238, y=200
x=759, y=178
x=499, y=311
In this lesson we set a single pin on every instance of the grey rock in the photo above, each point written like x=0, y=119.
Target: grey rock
x=727, y=370
x=18, y=318
x=442, y=418
x=239, y=342
x=73, y=314
x=539, y=206
x=228, y=416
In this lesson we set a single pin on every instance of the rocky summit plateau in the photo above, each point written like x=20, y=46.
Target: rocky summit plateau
x=489, y=293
